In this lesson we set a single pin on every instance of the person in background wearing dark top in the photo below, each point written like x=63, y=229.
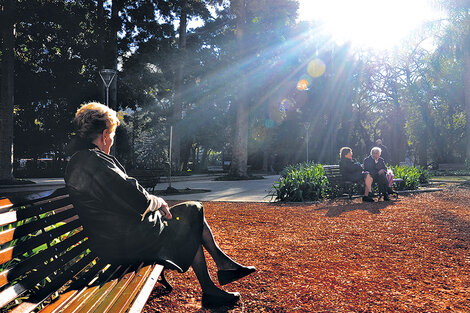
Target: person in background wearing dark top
x=125, y=224
x=375, y=165
x=385, y=154
x=352, y=171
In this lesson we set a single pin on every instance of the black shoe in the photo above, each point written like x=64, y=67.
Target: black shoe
x=228, y=276
x=228, y=298
x=367, y=199
x=386, y=197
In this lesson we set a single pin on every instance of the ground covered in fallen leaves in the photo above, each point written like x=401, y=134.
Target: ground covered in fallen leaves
x=406, y=255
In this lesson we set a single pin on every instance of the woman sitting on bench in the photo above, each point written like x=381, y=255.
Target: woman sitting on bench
x=352, y=171
x=125, y=224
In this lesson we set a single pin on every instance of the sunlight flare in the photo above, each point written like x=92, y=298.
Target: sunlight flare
x=374, y=24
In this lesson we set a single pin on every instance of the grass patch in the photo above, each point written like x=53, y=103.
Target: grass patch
x=451, y=178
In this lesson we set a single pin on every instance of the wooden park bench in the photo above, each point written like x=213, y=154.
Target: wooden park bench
x=340, y=186
x=46, y=264
x=148, y=178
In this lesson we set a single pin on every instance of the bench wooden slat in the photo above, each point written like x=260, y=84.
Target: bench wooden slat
x=6, y=255
x=131, y=290
x=7, y=235
x=7, y=218
x=5, y=204
x=107, y=303
x=144, y=294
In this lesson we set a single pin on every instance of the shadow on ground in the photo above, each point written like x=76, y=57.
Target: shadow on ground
x=338, y=209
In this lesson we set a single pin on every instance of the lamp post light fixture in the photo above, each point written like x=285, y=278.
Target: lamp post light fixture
x=107, y=75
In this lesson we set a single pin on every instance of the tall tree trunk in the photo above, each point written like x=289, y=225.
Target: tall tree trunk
x=7, y=27
x=179, y=82
x=101, y=32
x=466, y=79
x=240, y=138
x=423, y=149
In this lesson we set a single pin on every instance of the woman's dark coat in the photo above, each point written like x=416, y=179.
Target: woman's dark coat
x=374, y=168
x=110, y=205
x=350, y=170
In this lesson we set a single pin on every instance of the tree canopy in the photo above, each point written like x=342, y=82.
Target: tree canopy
x=246, y=69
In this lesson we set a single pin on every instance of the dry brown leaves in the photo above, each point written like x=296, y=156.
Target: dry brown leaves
x=409, y=255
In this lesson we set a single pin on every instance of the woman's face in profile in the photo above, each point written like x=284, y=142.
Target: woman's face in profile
x=349, y=155
x=109, y=141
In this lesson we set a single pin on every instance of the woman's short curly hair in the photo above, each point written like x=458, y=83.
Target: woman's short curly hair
x=343, y=151
x=93, y=118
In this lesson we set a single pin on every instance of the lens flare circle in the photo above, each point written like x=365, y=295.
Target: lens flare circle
x=316, y=68
x=302, y=84
x=286, y=105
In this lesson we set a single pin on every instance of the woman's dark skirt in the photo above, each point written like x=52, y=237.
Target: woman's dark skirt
x=179, y=240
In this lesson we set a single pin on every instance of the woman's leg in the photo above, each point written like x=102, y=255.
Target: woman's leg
x=368, y=185
x=200, y=269
x=223, y=261
x=211, y=294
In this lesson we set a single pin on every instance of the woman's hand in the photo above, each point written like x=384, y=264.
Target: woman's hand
x=165, y=210
x=157, y=203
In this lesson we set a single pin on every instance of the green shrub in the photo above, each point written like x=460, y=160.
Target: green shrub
x=301, y=182
x=412, y=176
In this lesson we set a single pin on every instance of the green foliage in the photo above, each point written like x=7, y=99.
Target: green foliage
x=62, y=44
x=301, y=182
x=412, y=176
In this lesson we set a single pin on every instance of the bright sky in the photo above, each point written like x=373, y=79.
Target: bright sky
x=377, y=24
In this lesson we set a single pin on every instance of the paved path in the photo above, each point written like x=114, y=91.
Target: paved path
x=242, y=190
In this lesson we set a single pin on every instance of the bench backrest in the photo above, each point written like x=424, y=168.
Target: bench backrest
x=333, y=174
x=43, y=246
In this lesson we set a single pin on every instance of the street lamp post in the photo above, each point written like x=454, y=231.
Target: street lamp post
x=307, y=126
x=107, y=75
